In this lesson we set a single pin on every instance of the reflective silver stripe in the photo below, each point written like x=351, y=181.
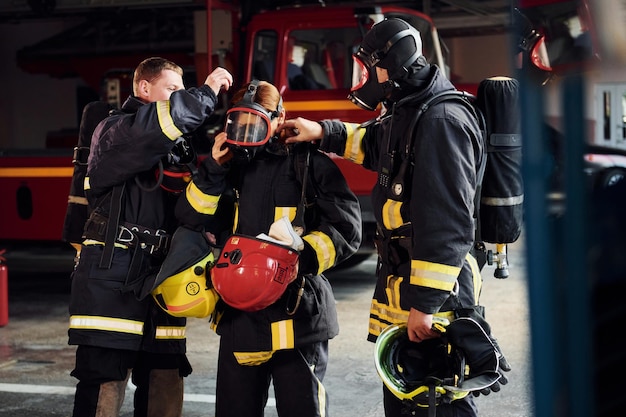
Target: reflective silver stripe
x=165, y=120
x=324, y=249
x=170, y=332
x=502, y=201
x=108, y=324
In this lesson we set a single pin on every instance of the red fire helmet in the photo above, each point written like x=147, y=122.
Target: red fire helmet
x=251, y=274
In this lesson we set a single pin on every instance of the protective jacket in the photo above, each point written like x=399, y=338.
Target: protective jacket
x=127, y=234
x=425, y=225
x=268, y=188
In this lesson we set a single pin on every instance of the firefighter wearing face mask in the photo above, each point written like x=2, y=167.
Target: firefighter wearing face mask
x=424, y=197
x=294, y=218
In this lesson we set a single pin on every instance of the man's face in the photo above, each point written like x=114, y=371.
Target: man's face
x=162, y=87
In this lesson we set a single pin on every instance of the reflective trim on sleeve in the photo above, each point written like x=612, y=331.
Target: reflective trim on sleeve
x=170, y=332
x=165, y=120
x=476, y=277
x=502, y=201
x=283, y=335
x=75, y=199
x=201, y=202
x=392, y=219
x=324, y=248
x=433, y=275
x=280, y=212
x=86, y=185
x=107, y=324
x=354, y=151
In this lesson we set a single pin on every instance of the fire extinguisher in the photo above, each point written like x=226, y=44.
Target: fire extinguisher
x=4, y=290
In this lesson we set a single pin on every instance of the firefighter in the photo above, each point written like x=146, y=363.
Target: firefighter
x=118, y=331
x=424, y=197
x=296, y=196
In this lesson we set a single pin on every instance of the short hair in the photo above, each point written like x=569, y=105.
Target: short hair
x=150, y=69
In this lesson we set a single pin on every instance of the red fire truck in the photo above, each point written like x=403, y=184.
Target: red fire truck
x=306, y=51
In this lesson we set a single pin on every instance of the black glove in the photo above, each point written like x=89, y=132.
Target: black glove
x=481, y=355
x=503, y=366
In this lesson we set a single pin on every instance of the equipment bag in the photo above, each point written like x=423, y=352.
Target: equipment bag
x=502, y=194
x=499, y=197
x=77, y=211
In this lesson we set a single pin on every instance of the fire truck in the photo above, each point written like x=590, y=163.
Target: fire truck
x=305, y=51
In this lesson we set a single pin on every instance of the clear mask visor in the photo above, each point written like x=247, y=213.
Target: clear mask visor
x=360, y=74
x=247, y=127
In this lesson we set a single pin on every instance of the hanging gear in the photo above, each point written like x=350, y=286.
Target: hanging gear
x=253, y=273
x=182, y=287
x=77, y=210
x=532, y=45
x=176, y=170
x=392, y=44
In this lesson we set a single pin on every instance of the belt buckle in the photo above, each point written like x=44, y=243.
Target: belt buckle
x=123, y=232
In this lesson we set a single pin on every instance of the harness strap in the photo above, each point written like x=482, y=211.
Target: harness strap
x=114, y=214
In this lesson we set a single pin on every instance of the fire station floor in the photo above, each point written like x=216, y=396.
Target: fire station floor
x=35, y=359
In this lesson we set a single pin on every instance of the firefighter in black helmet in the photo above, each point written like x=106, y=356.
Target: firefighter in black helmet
x=424, y=197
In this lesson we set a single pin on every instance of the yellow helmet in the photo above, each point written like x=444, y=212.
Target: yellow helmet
x=183, y=287
x=188, y=293
x=416, y=371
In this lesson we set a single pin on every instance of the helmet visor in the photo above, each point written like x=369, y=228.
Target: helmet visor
x=360, y=74
x=247, y=127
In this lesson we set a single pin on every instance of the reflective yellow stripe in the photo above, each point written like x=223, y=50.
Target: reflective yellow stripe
x=296, y=106
x=74, y=199
x=34, y=172
x=108, y=324
x=393, y=290
x=165, y=120
x=392, y=219
x=236, y=219
x=321, y=398
x=86, y=185
x=201, y=202
x=91, y=242
x=433, y=275
x=324, y=249
x=283, y=335
x=354, y=151
x=170, y=332
x=476, y=277
x=252, y=358
x=280, y=212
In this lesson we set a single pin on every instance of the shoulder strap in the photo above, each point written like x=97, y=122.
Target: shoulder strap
x=466, y=99
x=302, y=162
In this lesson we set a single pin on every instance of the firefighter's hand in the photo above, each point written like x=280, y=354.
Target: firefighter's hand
x=419, y=326
x=220, y=152
x=300, y=130
x=218, y=79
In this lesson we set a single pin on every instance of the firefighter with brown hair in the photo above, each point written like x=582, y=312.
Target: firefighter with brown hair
x=295, y=217
x=423, y=201
x=118, y=330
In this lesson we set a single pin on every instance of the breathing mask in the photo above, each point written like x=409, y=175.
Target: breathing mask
x=392, y=44
x=248, y=125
